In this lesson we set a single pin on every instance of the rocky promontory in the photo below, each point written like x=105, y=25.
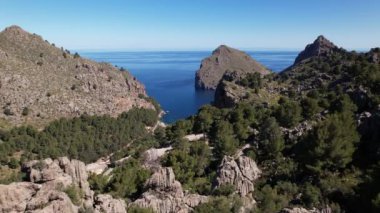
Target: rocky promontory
x=222, y=60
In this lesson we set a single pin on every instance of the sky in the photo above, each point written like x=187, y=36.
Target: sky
x=196, y=24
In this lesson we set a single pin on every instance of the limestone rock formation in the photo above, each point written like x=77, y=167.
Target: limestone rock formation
x=15, y=196
x=152, y=157
x=165, y=194
x=40, y=82
x=240, y=172
x=303, y=210
x=222, y=60
x=320, y=47
x=105, y=203
x=45, y=192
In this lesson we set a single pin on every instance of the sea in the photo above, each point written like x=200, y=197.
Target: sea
x=169, y=76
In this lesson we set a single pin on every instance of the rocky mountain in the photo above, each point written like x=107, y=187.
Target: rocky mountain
x=40, y=82
x=225, y=59
x=320, y=47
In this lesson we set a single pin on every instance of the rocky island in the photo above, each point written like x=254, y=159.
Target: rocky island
x=225, y=59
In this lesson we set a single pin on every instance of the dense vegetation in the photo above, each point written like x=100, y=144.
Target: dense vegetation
x=86, y=138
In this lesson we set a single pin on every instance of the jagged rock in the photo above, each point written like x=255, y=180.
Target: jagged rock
x=241, y=173
x=320, y=47
x=45, y=193
x=374, y=55
x=106, y=203
x=99, y=166
x=52, y=83
x=164, y=179
x=222, y=60
x=15, y=196
x=151, y=156
x=298, y=130
x=46, y=201
x=303, y=210
x=165, y=195
x=226, y=96
x=31, y=197
x=60, y=173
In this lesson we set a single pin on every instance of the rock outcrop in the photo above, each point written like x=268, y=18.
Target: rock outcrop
x=105, y=203
x=40, y=82
x=165, y=194
x=222, y=60
x=46, y=190
x=303, y=210
x=151, y=157
x=320, y=47
x=240, y=172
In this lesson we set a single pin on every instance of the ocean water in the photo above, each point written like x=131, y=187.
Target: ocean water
x=169, y=75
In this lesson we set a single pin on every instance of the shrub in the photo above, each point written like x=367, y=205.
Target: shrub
x=271, y=139
x=288, y=113
x=75, y=194
x=127, y=180
x=8, y=112
x=25, y=111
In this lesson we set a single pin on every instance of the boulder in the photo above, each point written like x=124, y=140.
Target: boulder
x=106, y=203
x=151, y=157
x=165, y=194
x=303, y=210
x=15, y=196
x=240, y=172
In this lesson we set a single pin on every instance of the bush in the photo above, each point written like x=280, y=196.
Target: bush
x=25, y=111
x=75, y=194
x=128, y=180
x=224, y=190
x=8, y=112
x=76, y=55
x=288, y=114
x=13, y=163
x=271, y=140
x=220, y=205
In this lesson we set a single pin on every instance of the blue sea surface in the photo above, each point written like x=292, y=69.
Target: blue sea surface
x=169, y=75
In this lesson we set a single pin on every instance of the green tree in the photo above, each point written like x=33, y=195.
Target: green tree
x=127, y=180
x=271, y=139
x=332, y=142
x=223, y=139
x=288, y=113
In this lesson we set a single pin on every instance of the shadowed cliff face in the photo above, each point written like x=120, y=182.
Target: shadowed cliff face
x=40, y=82
x=222, y=60
x=320, y=47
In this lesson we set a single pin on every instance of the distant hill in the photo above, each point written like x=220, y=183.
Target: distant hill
x=225, y=59
x=40, y=82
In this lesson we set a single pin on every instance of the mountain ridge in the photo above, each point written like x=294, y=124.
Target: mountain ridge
x=40, y=82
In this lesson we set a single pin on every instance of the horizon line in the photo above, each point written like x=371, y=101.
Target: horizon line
x=84, y=50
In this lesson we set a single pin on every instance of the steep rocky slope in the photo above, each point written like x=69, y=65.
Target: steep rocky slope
x=40, y=82
x=222, y=60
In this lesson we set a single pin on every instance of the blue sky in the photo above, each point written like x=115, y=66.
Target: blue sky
x=196, y=24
